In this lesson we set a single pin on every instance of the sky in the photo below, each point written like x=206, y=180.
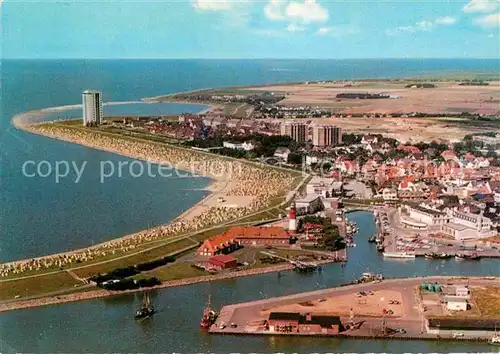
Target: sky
x=337, y=29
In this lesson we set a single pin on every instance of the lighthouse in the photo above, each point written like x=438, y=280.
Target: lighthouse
x=292, y=219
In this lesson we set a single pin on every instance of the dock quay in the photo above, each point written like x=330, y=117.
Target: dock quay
x=363, y=303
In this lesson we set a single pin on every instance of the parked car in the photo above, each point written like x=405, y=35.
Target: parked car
x=458, y=334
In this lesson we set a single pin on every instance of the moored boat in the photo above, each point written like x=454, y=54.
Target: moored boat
x=209, y=316
x=399, y=255
x=371, y=239
x=433, y=255
x=469, y=257
x=495, y=340
x=146, y=309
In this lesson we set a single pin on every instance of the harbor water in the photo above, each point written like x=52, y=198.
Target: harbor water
x=39, y=216
x=107, y=325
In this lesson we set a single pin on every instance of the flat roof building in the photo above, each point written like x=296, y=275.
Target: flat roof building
x=297, y=131
x=92, y=107
x=326, y=135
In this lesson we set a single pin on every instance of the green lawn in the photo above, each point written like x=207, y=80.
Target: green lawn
x=181, y=270
x=168, y=249
x=37, y=285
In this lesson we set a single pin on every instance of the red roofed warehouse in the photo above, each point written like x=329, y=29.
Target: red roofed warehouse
x=223, y=261
x=260, y=235
x=220, y=244
x=231, y=240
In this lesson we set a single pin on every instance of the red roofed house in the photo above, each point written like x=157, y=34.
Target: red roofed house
x=449, y=155
x=220, y=244
x=237, y=236
x=223, y=261
x=260, y=235
x=408, y=148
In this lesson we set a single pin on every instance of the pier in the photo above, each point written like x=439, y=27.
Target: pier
x=408, y=320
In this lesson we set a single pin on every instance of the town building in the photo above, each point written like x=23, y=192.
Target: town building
x=456, y=303
x=294, y=322
x=92, y=107
x=464, y=226
x=247, y=146
x=461, y=225
x=282, y=153
x=309, y=204
x=223, y=261
x=221, y=244
x=326, y=187
x=260, y=235
x=389, y=194
x=425, y=214
x=461, y=290
x=238, y=236
x=297, y=131
x=468, y=326
x=326, y=135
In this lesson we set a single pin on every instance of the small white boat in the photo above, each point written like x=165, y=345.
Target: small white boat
x=495, y=340
x=399, y=255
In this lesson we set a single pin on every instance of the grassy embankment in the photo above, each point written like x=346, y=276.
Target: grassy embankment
x=48, y=280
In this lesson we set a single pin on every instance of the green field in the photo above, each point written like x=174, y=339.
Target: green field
x=37, y=285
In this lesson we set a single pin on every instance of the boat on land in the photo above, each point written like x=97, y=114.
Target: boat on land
x=146, y=310
x=468, y=257
x=209, y=316
x=399, y=255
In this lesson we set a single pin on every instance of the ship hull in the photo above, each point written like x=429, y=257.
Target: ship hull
x=398, y=255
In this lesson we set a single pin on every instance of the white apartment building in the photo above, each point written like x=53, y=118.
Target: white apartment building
x=92, y=107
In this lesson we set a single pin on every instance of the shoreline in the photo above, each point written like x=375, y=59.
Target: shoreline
x=220, y=185
x=12, y=305
x=24, y=120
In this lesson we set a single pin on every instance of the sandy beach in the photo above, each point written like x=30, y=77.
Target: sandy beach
x=238, y=189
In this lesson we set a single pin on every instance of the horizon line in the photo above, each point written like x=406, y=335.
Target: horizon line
x=263, y=58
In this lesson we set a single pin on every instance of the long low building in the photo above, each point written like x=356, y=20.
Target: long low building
x=426, y=215
x=294, y=322
x=467, y=326
x=459, y=224
x=238, y=236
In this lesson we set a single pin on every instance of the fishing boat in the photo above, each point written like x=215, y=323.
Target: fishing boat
x=399, y=255
x=146, y=309
x=495, y=340
x=434, y=255
x=209, y=316
x=469, y=257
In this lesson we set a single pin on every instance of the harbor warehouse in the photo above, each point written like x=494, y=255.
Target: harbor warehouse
x=223, y=261
x=237, y=236
x=255, y=236
x=294, y=322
